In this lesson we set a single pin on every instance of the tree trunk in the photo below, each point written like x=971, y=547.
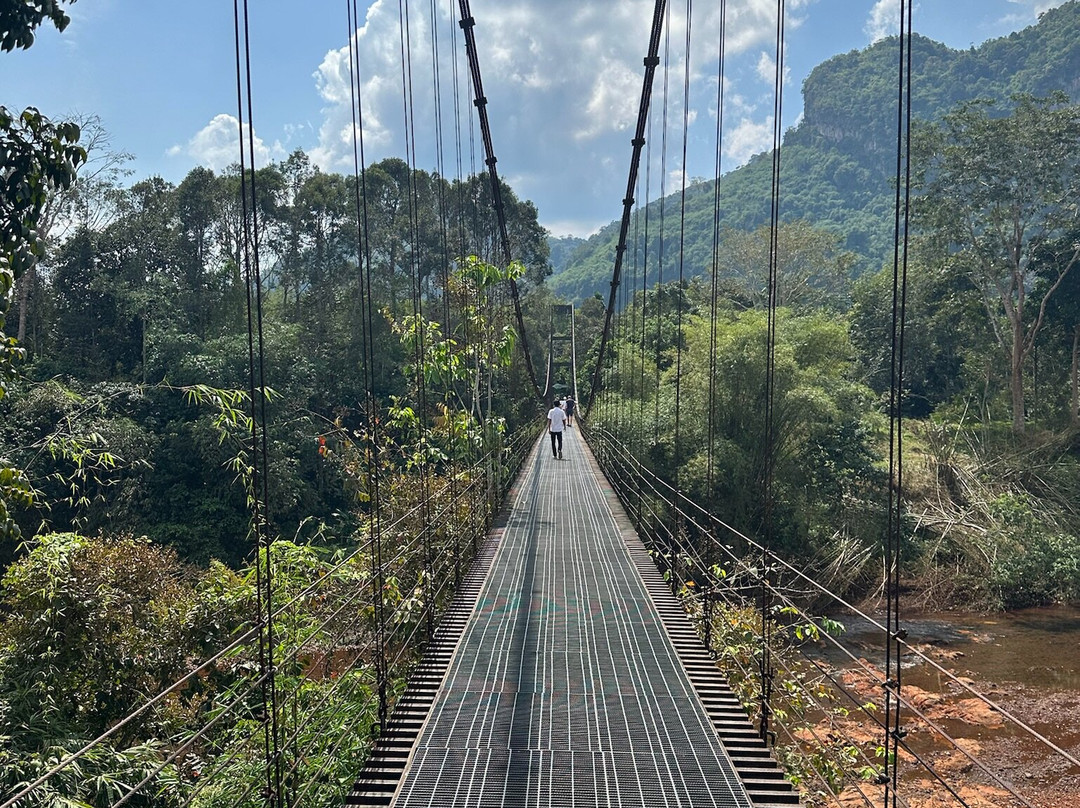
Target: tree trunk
x=1016, y=380
x=24, y=299
x=144, y=318
x=1074, y=413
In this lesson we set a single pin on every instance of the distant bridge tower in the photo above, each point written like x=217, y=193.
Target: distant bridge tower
x=562, y=353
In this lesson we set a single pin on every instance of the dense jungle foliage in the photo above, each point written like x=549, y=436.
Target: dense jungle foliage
x=991, y=383
x=130, y=556
x=127, y=531
x=129, y=315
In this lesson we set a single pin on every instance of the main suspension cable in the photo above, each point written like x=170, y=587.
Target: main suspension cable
x=468, y=23
x=652, y=59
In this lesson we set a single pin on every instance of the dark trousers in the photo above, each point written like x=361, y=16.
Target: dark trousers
x=556, y=438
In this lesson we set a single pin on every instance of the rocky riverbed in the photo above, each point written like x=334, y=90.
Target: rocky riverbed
x=1027, y=664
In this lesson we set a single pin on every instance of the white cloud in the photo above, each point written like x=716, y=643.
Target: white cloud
x=607, y=109
x=563, y=80
x=217, y=145
x=737, y=104
x=564, y=71
x=752, y=23
x=1037, y=7
x=1029, y=15
x=766, y=69
x=582, y=228
x=748, y=138
x=296, y=133
x=676, y=178
x=884, y=20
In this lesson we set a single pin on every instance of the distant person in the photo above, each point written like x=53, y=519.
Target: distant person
x=570, y=405
x=556, y=423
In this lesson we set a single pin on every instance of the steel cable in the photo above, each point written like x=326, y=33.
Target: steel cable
x=259, y=485
x=372, y=433
x=770, y=448
x=710, y=448
x=651, y=62
x=781, y=596
x=893, y=633
x=468, y=23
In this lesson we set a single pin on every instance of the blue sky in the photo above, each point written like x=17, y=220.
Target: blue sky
x=562, y=78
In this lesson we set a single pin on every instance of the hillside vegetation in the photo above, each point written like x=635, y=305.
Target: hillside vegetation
x=837, y=165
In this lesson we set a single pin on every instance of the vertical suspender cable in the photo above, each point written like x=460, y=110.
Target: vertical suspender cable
x=642, y=246
x=629, y=330
x=711, y=425
x=259, y=493
x=644, y=296
x=444, y=229
x=620, y=379
x=368, y=348
x=660, y=238
x=624, y=327
x=484, y=301
x=459, y=184
x=420, y=338
x=632, y=328
x=620, y=357
x=894, y=634
x=679, y=299
x=462, y=187
x=444, y=225
x=459, y=175
x=573, y=356
x=766, y=670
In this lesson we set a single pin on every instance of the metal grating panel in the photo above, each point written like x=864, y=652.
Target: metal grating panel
x=566, y=689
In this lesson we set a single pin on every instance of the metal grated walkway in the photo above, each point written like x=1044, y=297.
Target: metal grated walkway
x=565, y=688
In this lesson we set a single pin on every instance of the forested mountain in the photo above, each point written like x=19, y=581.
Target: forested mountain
x=837, y=165
x=562, y=250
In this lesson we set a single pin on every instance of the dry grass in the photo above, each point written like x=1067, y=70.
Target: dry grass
x=956, y=481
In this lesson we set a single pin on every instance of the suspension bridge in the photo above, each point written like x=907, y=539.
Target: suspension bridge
x=577, y=678
x=536, y=631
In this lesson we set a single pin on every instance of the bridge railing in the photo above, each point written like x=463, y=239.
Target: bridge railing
x=823, y=695
x=282, y=707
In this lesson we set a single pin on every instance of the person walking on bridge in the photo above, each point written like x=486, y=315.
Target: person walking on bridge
x=556, y=424
x=570, y=404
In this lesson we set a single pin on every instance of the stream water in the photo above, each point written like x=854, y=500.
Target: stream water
x=1037, y=648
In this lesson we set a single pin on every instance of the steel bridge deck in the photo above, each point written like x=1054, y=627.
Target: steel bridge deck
x=565, y=688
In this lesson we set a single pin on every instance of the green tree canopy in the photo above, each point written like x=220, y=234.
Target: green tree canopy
x=19, y=19
x=993, y=188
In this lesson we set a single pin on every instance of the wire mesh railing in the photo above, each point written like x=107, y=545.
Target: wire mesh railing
x=827, y=696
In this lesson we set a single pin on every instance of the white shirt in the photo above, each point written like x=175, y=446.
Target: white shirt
x=556, y=419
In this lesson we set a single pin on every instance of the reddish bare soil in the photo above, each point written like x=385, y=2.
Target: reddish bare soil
x=981, y=757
